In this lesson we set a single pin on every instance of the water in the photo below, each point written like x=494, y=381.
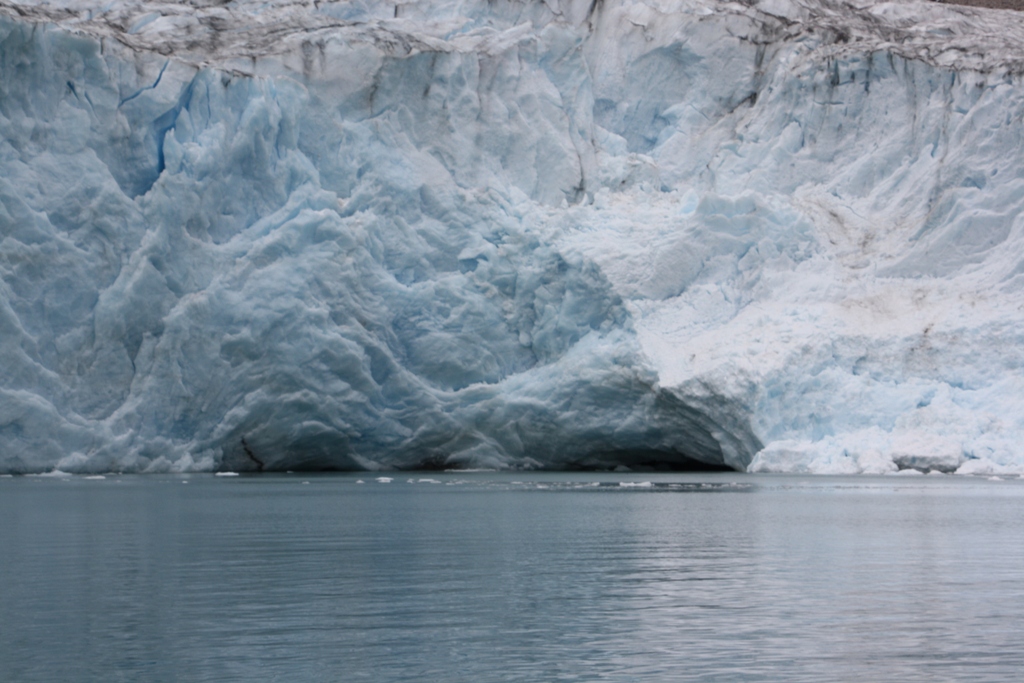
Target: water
x=511, y=577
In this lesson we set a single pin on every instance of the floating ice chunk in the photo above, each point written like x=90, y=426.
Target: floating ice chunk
x=384, y=480
x=927, y=452
x=226, y=474
x=95, y=477
x=984, y=466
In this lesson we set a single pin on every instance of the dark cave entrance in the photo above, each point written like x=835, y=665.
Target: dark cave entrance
x=642, y=460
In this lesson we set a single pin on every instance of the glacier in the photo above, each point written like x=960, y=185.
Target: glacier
x=775, y=236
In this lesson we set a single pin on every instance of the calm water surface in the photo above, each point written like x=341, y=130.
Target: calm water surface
x=511, y=577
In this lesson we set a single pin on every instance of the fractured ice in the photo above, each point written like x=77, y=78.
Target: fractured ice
x=784, y=236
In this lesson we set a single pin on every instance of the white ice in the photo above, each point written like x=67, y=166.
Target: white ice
x=780, y=236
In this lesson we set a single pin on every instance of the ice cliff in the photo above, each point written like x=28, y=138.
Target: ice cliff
x=784, y=235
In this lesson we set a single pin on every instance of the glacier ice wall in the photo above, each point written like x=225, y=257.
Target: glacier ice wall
x=783, y=236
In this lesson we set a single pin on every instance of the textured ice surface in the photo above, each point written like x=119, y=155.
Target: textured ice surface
x=784, y=235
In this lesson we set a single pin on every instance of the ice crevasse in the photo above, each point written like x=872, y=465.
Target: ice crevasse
x=784, y=235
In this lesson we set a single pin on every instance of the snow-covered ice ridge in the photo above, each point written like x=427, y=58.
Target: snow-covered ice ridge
x=781, y=236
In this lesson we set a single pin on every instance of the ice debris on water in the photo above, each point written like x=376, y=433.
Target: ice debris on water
x=57, y=474
x=506, y=235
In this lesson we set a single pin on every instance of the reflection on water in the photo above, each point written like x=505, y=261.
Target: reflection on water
x=511, y=577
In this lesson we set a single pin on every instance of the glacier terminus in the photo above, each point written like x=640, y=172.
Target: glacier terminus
x=775, y=236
